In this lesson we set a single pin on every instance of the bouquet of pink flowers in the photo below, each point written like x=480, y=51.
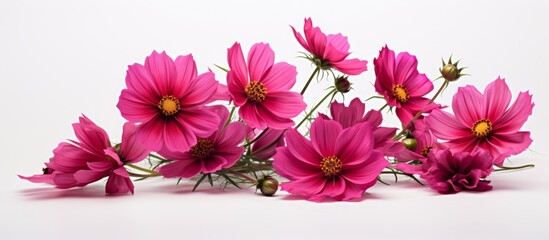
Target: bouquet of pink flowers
x=187, y=125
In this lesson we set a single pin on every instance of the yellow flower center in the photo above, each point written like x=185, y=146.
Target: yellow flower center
x=426, y=150
x=256, y=91
x=331, y=166
x=400, y=93
x=202, y=149
x=482, y=128
x=169, y=105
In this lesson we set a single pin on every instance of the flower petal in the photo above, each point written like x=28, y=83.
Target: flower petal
x=513, y=119
x=200, y=91
x=302, y=148
x=352, y=150
x=134, y=109
x=235, y=58
x=150, y=134
x=260, y=58
x=130, y=149
x=248, y=113
x=324, y=134
x=284, y=104
x=445, y=126
x=140, y=81
x=468, y=105
x=186, y=73
x=184, y=168
x=352, y=66
x=280, y=77
x=497, y=97
x=293, y=168
x=119, y=182
x=366, y=171
x=305, y=186
x=419, y=85
x=162, y=68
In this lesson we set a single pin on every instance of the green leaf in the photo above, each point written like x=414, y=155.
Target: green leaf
x=230, y=180
x=222, y=68
x=210, y=179
x=199, y=181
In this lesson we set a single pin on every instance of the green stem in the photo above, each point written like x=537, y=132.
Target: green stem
x=309, y=81
x=230, y=116
x=243, y=175
x=504, y=168
x=158, y=158
x=384, y=106
x=418, y=114
x=151, y=172
x=315, y=107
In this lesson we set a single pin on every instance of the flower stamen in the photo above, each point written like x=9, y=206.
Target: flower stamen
x=169, y=105
x=331, y=166
x=426, y=150
x=202, y=149
x=256, y=91
x=400, y=93
x=482, y=128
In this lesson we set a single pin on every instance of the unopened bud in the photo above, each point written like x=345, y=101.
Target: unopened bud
x=410, y=144
x=450, y=71
x=268, y=186
x=342, y=84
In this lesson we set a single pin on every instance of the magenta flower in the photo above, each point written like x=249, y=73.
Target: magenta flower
x=262, y=89
x=452, y=173
x=334, y=163
x=426, y=143
x=485, y=121
x=400, y=83
x=330, y=51
x=354, y=114
x=92, y=158
x=219, y=150
x=167, y=99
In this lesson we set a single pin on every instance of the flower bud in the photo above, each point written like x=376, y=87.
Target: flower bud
x=410, y=144
x=450, y=71
x=342, y=84
x=268, y=186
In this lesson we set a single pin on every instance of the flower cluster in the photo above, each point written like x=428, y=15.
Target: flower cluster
x=189, y=125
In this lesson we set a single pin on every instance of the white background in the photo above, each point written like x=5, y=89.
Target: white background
x=59, y=59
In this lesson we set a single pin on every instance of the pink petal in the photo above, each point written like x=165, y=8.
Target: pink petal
x=287, y=165
x=513, y=119
x=184, y=168
x=323, y=136
x=284, y=104
x=367, y=171
x=222, y=94
x=352, y=150
x=272, y=120
x=236, y=89
x=186, y=73
x=316, y=39
x=150, y=134
x=235, y=58
x=140, y=82
x=200, y=90
x=468, y=105
x=101, y=166
x=119, y=182
x=201, y=121
x=178, y=137
x=248, y=113
x=352, y=191
x=405, y=115
x=213, y=163
x=301, y=40
x=338, y=42
x=302, y=148
x=373, y=116
x=445, y=126
x=280, y=77
x=406, y=68
x=384, y=66
x=222, y=112
x=419, y=85
x=305, y=186
x=92, y=137
x=162, y=68
x=260, y=58
x=497, y=97
x=513, y=143
x=232, y=135
x=65, y=180
x=333, y=187
x=231, y=154
x=39, y=178
x=130, y=148
x=352, y=66
x=88, y=176
x=347, y=116
x=69, y=158
x=133, y=109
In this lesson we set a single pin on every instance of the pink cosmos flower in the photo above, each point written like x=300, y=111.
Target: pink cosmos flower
x=485, y=121
x=453, y=172
x=219, y=150
x=262, y=89
x=92, y=158
x=331, y=50
x=354, y=114
x=167, y=99
x=334, y=163
x=400, y=83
